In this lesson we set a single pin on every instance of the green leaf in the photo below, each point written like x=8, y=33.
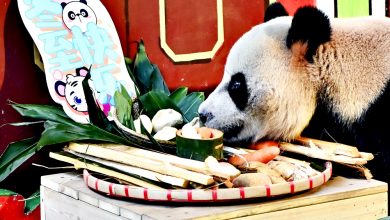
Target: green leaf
x=190, y=104
x=6, y=192
x=15, y=155
x=56, y=133
x=32, y=202
x=123, y=104
x=148, y=76
x=178, y=95
x=151, y=138
x=129, y=63
x=156, y=100
x=157, y=82
x=17, y=124
x=43, y=112
x=96, y=115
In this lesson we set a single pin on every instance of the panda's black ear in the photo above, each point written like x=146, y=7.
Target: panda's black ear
x=59, y=86
x=63, y=4
x=274, y=10
x=310, y=27
x=83, y=1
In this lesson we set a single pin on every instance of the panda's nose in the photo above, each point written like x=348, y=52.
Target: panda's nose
x=205, y=116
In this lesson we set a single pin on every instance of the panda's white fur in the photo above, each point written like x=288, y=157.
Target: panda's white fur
x=348, y=73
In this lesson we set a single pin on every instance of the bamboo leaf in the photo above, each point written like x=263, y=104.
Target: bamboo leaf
x=190, y=104
x=32, y=202
x=123, y=104
x=148, y=76
x=56, y=133
x=151, y=138
x=178, y=95
x=96, y=115
x=15, y=155
x=6, y=192
x=17, y=124
x=156, y=100
x=42, y=112
x=129, y=63
x=157, y=82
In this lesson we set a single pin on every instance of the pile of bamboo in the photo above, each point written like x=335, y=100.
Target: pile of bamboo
x=146, y=168
x=345, y=155
x=156, y=170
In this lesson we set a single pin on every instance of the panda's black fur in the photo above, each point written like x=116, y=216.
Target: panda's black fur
x=274, y=10
x=312, y=76
x=371, y=133
x=310, y=26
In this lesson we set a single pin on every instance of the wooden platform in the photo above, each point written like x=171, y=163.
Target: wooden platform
x=65, y=196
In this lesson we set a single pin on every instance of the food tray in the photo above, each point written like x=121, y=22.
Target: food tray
x=209, y=195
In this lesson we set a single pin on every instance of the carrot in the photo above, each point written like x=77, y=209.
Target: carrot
x=263, y=155
x=261, y=145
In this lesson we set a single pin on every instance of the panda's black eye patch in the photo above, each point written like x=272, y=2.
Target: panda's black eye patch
x=238, y=90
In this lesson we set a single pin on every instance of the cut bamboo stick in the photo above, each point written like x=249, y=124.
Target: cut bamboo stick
x=366, y=156
x=320, y=154
x=225, y=170
x=188, y=164
x=330, y=147
x=85, y=165
x=136, y=171
x=118, y=155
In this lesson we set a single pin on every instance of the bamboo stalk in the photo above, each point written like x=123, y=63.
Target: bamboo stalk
x=319, y=154
x=330, y=147
x=118, y=155
x=366, y=156
x=85, y=165
x=184, y=163
x=136, y=171
x=225, y=170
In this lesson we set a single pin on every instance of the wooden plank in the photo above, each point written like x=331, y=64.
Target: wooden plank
x=59, y=182
x=131, y=210
x=61, y=207
x=364, y=207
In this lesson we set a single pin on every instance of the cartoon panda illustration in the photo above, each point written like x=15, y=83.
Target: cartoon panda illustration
x=73, y=91
x=308, y=75
x=77, y=13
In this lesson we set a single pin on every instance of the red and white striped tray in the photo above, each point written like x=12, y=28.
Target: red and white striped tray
x=209, y=195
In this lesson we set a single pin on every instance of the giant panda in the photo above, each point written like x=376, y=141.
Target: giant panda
x=308, y=75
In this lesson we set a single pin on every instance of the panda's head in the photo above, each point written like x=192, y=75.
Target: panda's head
x=265, y=92
x=77, y=14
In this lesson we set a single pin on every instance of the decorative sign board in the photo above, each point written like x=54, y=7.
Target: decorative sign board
x=74, y=38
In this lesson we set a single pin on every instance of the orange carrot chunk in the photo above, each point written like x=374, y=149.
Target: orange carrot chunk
x=263, y=144
x=204, y=132
x=263, y=155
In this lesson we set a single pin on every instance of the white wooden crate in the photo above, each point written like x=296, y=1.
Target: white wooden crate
x=65, y=196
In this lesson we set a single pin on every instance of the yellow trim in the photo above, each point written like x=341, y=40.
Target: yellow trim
x=191, y=56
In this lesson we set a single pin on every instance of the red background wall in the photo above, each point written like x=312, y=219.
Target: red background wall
x=190, y=27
